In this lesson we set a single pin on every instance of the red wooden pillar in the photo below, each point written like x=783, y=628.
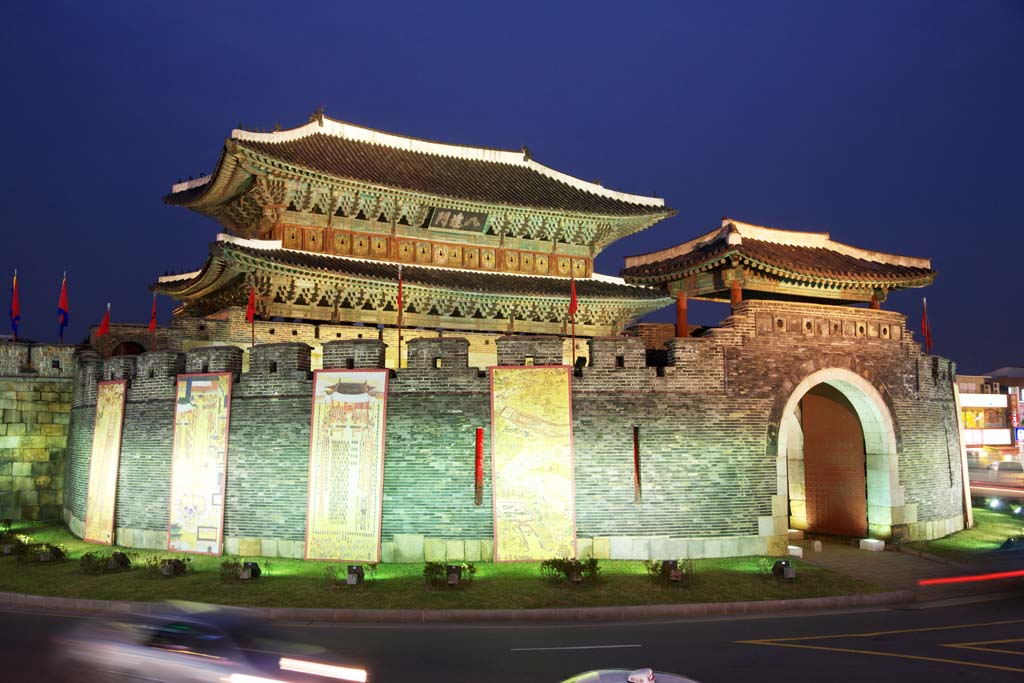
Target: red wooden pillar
x=875, y=303
x=478, y=473
x=682, y=330
x=735, y=293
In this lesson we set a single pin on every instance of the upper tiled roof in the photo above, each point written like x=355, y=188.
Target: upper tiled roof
x=476, y=174
x=804, y=255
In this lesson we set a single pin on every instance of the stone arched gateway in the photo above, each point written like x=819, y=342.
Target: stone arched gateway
x=885, y=495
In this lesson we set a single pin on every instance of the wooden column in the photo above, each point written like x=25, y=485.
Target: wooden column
x=682, y=330
x=735, y=293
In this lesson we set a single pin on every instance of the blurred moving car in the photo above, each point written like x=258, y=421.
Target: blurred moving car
x=192, y=643
x=1007, y=472
x=627, y=676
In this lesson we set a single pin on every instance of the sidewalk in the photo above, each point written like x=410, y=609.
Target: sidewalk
x=900, y=570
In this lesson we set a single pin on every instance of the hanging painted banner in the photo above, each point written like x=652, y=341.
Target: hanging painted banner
x=346, y=465
x=199, y=463
x=531, y=456
x=106, y=454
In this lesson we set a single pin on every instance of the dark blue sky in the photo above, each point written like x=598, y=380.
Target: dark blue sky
x=894, y=126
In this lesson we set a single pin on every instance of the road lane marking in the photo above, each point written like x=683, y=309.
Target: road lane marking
x=897, y=655
x=792, y=642
x=872, y=634
x=570, y=647
x=977, y=646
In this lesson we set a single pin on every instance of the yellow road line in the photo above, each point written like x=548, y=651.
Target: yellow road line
x=976, y=646
x=939, y=660
x=791, y=642
x=872, y=634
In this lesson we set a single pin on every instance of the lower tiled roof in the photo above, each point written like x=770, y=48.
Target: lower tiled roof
x=813, y=262
x=443, y=278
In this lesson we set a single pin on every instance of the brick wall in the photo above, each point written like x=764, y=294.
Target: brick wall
x=708, y=426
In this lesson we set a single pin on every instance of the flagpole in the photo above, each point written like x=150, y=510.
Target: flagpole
x=572, y=319
x=398, y=361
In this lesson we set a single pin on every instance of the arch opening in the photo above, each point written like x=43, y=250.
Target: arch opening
x=837, y=457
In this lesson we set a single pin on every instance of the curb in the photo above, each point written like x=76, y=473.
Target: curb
x=408, y=616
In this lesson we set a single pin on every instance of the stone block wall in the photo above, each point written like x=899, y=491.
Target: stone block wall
x=36, y=386
x=714, y=478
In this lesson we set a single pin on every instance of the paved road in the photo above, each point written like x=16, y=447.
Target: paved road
x=980, y=641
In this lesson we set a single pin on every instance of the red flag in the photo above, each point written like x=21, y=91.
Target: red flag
x=572, y=300
x=62, y=307
x=15, y=307
x=104, y=324
x=152, y=316
x=250, y=310
x=926, y=329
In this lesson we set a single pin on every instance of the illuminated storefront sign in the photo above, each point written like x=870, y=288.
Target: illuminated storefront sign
x=987, y=437
x=983, y=400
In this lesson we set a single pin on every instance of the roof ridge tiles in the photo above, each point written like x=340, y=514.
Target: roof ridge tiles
x=353, y=133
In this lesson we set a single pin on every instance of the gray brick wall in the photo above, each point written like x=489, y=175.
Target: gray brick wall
x=707, y=425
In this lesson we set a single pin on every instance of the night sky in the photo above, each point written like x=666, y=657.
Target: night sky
x=894, y=126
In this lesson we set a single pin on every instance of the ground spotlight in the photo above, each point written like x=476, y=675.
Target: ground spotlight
x=454, y=572
x=355, y=575
x=994, y=503
x=670, y=570
x=782, y=569
x=249, y=570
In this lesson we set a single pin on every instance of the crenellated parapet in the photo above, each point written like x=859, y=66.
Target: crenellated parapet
x=156, y=374
x=214, y=359
x=37, y=360
x=537, y=350
x=354, y=353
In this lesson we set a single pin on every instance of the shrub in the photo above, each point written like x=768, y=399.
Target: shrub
x=436, y=573
x=559, y=570
x=99, y=563
x=229, y=570
x=156, y=566
x=93, y=563
x=664, y=573
x=37, y=553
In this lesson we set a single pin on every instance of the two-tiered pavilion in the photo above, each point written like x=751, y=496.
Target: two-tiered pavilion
x=320, y=218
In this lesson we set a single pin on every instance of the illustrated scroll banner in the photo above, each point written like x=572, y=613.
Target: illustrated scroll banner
x=103, y=464
x=531, y=457
x=346, y=465
x=199, y=463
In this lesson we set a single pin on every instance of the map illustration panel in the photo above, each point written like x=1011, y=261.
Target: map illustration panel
x=199, y=463
x=531, y=441
x=106, y=454
x=346, y=465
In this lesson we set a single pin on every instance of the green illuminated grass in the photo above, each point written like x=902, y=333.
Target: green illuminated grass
x=296, y=583
x=990, y=530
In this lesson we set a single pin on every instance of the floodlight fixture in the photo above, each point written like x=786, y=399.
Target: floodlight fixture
x=355, y=575
x=454, y=572
x=249, y=570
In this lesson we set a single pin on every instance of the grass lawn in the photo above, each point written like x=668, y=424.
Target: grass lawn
x=297, y=583
x=991, y=528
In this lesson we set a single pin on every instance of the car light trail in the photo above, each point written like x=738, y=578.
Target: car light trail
x=971, y=578
x=245, y=678
x=342, y=673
